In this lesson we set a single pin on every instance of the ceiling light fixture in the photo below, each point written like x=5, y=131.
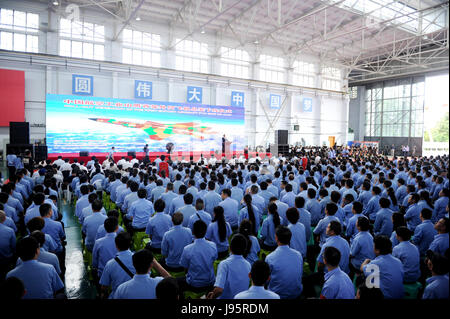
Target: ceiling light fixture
x=203, y=31
x=138, y=18
x=256, y=42
x=55, y=3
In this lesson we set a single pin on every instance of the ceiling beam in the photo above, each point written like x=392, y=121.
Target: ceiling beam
x=127, y=21
x=205, y=24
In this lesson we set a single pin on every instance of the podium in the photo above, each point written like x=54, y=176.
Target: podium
x=227, y=148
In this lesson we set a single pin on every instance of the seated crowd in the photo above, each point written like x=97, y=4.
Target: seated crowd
x=315, y=225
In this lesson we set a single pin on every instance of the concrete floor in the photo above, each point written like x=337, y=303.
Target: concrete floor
x=77, y=281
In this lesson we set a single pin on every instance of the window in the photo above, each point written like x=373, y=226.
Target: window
x=234, y=62
x=303, y=74
x=271, y=69
x=353, y=92
x=19, y=31
x=395, y=109
x=331, y=79
x=141, y=48
x=191, y=56
x=80, y=39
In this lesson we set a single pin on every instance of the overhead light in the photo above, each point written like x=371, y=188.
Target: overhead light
x=55, y=3
x=203, y=31
x=138, y=18
x=256, y=42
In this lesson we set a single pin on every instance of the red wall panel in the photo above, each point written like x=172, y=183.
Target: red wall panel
x=12, y=96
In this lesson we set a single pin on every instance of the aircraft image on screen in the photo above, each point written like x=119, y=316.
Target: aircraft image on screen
x=159, y=131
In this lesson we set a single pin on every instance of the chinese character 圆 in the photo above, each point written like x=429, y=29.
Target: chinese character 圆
x=83, y=85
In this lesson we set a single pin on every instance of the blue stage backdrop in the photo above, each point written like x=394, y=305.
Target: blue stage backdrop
x=95, y=124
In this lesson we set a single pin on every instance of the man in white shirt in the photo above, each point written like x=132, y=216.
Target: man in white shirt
x=66, y=167
x=59, y=161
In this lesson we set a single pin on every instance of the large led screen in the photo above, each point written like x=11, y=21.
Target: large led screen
x=95, y=124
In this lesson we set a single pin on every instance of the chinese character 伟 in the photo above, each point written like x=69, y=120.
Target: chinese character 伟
x=143, y=89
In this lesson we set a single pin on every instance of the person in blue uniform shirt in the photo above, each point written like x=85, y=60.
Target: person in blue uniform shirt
x=178, y=201
x=15, y=203
x=253, y=248
x=56, y=231
x=365, y=194
x=437, y=285
x=38, y=223
x=41, y=280
x=412, y=215
x=424, y=232
x=11, y=163
x=157, y=191
x=298, y=239
x=440, y=242
x=312, y=206
x=373, y=205
x=44, y=256
x=232, y=273
x=142, y=286
x=9, y=211
x=383, y=220
x=439, y=205
x=158, y=224
x=334, y=239
x=33, y=211
x=199, y=214
x=286, y=266
x=9, y=222
x=212, y=199
x=351, y=230
x=92, y=223
x=131, y=197
x=386, y=268
x=362, y=245
x=173, y=243
x=105, y=248
x=140, y=211
x=114, y=273
x=250, y=212
x=289, y=197
x=268, y=229
x=101, y=232
x=321, y=228
x=230, y=208
x=7, y=246
x=337, y=284
x=408, y=254
x=82, y=202
x=188, y=210
x=260, y=276
x=168, y=196
x=198, y=259
x=304, y=216
x=219, y=231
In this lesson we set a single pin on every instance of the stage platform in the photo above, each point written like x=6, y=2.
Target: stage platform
x=140, y=155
